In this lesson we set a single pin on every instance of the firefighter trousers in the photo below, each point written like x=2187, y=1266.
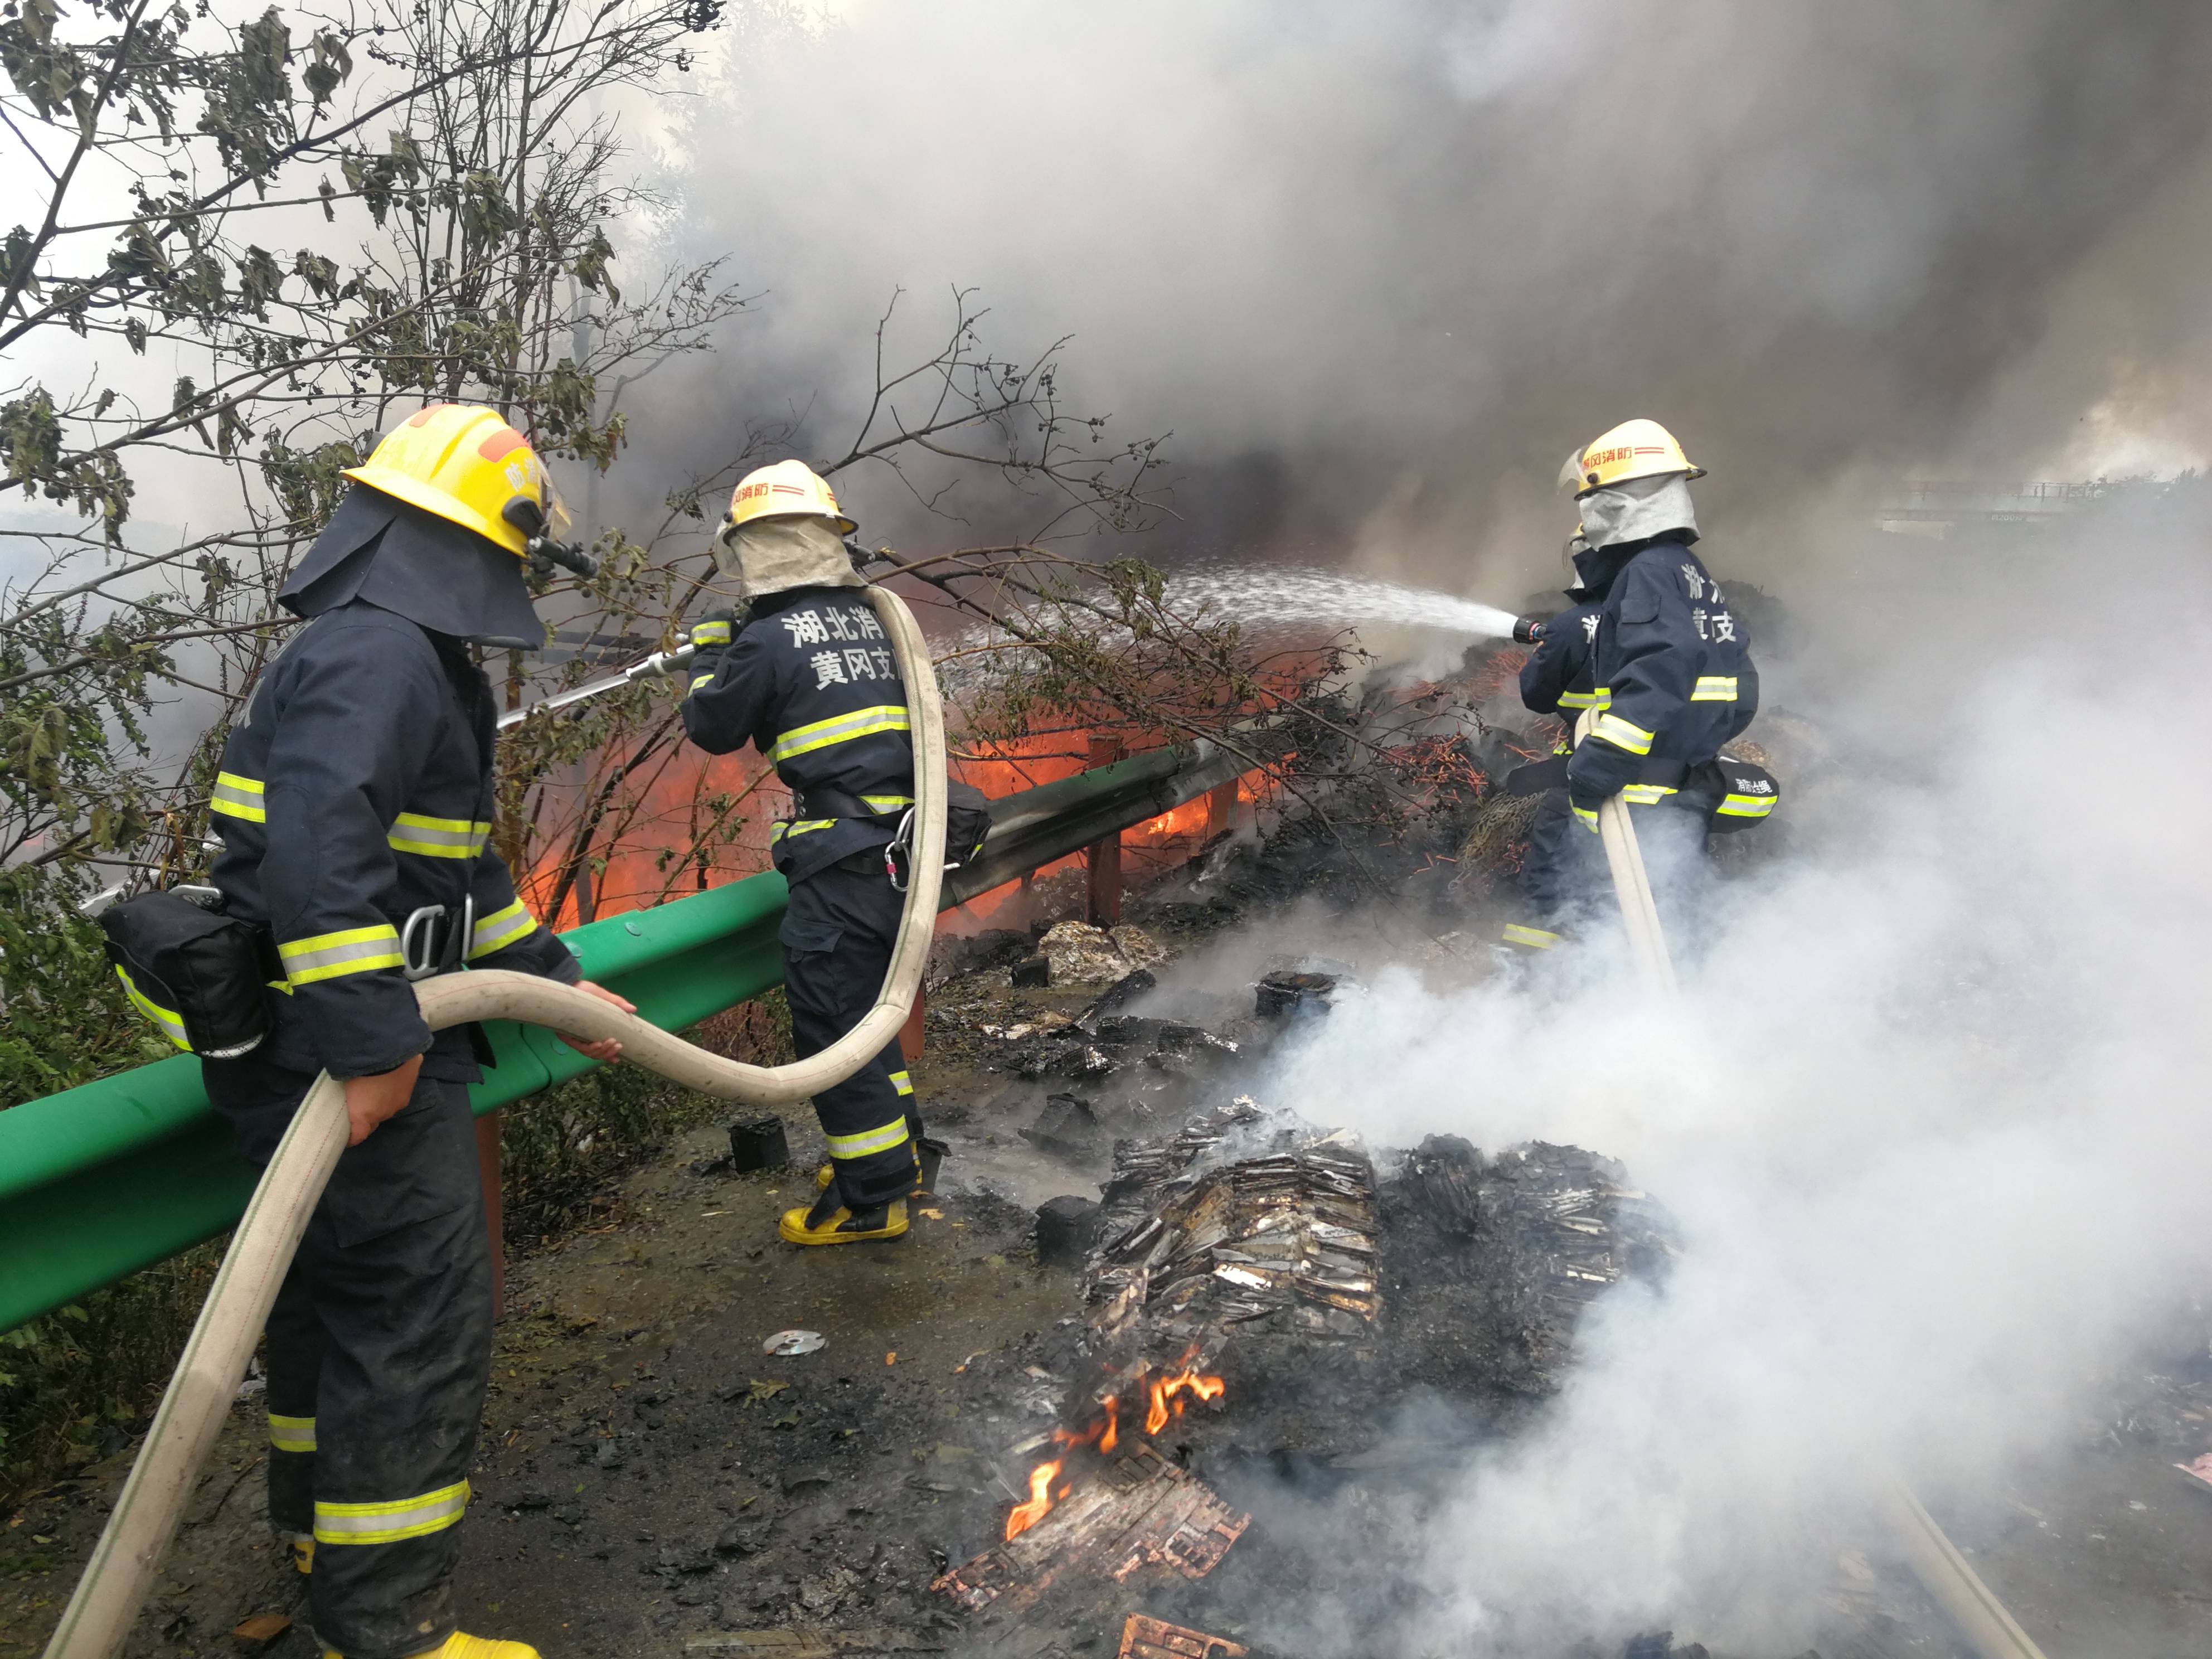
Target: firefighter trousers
x=839, y=927
x=378, y=1355
x=1562, y=873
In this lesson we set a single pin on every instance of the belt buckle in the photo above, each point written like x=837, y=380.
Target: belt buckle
x=420, y=943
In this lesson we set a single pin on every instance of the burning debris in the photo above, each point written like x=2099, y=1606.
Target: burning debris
x=1138, y=1510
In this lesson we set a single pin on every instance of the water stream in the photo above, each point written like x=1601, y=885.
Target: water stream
x=1259, y=600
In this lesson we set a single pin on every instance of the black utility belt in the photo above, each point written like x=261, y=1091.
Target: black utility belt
x=204, y=978
x=1733, y=793
x=967, y=821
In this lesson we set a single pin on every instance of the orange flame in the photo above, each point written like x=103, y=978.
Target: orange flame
x=1112, y=1436
x=1167, y=1392
x=1022, y=1516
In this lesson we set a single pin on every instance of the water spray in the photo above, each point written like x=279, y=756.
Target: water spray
x=1277, y=597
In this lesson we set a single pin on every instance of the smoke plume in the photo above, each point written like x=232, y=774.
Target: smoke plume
x=1378, y=267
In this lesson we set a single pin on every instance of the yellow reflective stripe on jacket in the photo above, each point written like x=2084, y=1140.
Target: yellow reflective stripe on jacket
x=710, y=633
x=292, y=1434
x=1588, y=819
x=1645, y=794
x=349, y=950
x=902, y=1083
x=387, y=1523
x=1578, y=700
x=1748, y=806
x=237, y=797
x=870, y=1140
x=843, y=728
x=1622, y=734
x=803, y=827
x=501, y=929
x=438, y=838
x=1604, y=695
x=1714, y=688
x=171, y=1022
x=886, y=803
x=698, y=680
x=1535, y=939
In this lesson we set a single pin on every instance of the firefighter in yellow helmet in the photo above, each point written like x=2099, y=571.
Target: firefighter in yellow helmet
x=1670, y=662
x=809, y=680
x=355, y=803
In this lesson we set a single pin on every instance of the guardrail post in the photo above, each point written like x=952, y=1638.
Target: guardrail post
x=1102, y=898
x=910, y=1033
x=488, y=1129
x=1220, y=808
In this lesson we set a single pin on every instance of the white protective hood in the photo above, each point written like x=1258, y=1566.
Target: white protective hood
x=770, y=555
x=1637, y=509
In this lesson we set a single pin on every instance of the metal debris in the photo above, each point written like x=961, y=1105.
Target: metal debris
x=1282, y=1242
x=1155, y=1639
x=1138, y=1509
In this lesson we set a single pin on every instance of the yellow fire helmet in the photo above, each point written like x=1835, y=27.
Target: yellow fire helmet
x=465, y=464
x=787, y=487
x=1634, y=449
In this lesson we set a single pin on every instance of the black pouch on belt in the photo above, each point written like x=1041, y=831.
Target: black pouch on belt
x=1747, y=794
x=198, y=974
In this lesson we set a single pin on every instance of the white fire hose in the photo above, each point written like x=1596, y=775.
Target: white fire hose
x=199, y=1395
x=1990, y=1630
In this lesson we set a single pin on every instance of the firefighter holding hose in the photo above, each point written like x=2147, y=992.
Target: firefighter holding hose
x=809, y=680
x=355, y=803
x=1670, y=663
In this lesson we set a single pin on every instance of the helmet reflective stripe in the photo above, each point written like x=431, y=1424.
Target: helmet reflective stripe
x=438, y=838
x=171, y=1022
x=349, y=950
x=237, y=797
x=501, y=929
x=869, y=1140
x=1634, y=449
x=843, y=728
x=787, y=487
x=387, y=1523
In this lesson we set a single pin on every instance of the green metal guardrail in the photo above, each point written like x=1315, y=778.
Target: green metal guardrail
x=101, y=1181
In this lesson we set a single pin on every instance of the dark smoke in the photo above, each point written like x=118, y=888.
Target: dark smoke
x=1378, y=267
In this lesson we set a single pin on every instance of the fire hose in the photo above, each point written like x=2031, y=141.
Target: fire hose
x=193, y=1408
x=1951, y=1584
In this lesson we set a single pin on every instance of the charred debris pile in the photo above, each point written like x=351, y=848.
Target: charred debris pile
x=1276, y=1315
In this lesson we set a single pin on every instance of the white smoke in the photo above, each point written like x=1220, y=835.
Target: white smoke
x=1929, y=1114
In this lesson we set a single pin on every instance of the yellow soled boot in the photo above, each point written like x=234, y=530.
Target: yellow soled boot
x=461, y=1645
x=830, y=1223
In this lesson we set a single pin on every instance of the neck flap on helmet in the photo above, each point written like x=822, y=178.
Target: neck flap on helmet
x=768, y=556
x=419, y=566
x=1637, y=509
